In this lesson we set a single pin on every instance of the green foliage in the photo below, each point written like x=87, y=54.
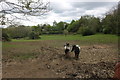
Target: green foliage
x=92, y=39
x=72, y=21
x=85, y=31
x=5, y=36
x=34, y=35
x=74, y=26
x=60, y=26
x=57, y=28
x=54, y=24
x=111, y=22
x=65, y=32
x=107, y=30
x=18, y=32
x=92, y=22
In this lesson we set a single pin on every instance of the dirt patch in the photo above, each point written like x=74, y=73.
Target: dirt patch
x=94, y=61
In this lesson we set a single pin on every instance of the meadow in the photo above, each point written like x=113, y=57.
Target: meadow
x=98, y=38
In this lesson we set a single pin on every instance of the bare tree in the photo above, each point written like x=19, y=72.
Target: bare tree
x=22, y=7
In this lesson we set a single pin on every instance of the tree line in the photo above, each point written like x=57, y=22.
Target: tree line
x=86, y=25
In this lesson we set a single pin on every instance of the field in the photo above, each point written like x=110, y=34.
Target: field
x=44, y=58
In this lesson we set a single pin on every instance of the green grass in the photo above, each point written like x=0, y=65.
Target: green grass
x=98, y=38
x=6, y=44
x=93, y=39
x=23, y=56
x=60, y=37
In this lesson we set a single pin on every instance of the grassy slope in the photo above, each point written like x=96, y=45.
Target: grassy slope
x=98, y=38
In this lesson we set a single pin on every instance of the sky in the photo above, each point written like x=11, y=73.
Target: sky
x=68, y=10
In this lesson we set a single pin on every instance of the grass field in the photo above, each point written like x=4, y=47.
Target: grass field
x=98, y=38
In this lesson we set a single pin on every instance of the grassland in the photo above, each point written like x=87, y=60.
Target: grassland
x=98, y=38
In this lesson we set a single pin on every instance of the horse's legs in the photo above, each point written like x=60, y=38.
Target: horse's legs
x=76, y=56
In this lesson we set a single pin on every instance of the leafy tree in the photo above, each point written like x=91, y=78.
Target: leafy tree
x=65, y=32
x=54, y=23
x=85, y=31
x=74, y=26
x=22, y=7
x=5, y=36
x=33, y=35
x=111, y=22
x=18, y=32
x=60, y=27
x=72, y=21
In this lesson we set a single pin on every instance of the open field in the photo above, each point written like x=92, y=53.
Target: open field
x=44, y=58
x=98, y=38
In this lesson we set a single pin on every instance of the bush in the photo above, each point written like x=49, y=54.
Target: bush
x=34, y=35
x=85, y=31
x=5, y=36
x=55, y=32
x=106, y=30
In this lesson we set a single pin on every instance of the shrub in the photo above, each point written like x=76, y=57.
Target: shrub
x=85, y=31
x=5, y=36
x=34, y=35
x=106, y=30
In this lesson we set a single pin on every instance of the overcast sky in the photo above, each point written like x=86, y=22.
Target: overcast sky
x=67, y=10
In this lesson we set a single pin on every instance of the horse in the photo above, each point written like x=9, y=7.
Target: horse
x=76, y=49
x=67, y=49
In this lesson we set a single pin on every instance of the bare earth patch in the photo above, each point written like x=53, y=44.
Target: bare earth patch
x=49, y=61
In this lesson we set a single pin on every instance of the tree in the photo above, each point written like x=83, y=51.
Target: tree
x=118, y=18
x=85, y=31
x=65, y=32
x=72, y=21
x=18, y=32
x=5, y=36
x=111, y=22
x=54, y=23
x=60, y=27
x=89, y=25
x=33, y=35
x=107, y=24
x=22, y=7
x=74, y=26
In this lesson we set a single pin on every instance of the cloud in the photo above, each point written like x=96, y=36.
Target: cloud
x=84, y=0
x=3, y=26
x=67, y=10
x=74, y=10
x=91, y=5
x=62, y=11
x=60, y=7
